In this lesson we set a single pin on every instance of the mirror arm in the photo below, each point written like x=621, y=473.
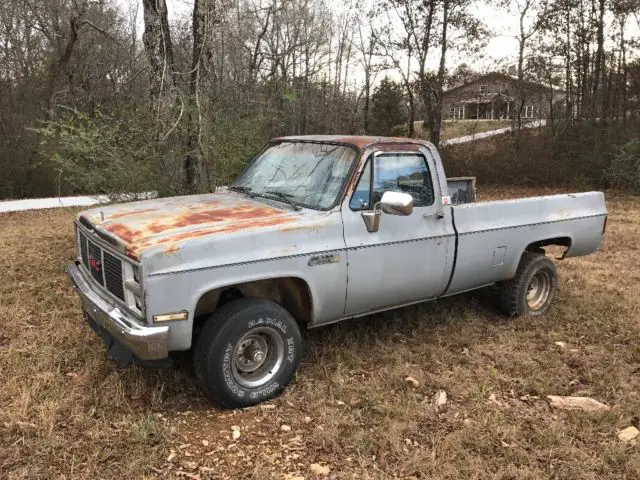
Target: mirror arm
x=372, y=218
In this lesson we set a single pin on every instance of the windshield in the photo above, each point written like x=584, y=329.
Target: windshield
x=306, y=174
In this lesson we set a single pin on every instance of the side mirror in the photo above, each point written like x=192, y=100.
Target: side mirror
x=392, y=203
x=397, y=203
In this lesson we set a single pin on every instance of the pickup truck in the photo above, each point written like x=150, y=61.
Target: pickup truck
x=317, y=229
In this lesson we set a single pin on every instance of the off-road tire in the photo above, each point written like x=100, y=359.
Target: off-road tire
x=513, y=293
x=216, y=359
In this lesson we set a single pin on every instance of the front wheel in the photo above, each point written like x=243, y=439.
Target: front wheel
x=532, y=289
x=247, y=352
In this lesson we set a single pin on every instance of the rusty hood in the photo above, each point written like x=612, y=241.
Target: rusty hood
x=165, y=224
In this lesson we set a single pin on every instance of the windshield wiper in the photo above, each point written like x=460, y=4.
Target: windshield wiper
x=285, y=197
x=242, y=189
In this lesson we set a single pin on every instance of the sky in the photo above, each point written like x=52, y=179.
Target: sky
x=501, y=49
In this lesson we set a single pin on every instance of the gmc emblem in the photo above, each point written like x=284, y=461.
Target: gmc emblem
x=95, y=264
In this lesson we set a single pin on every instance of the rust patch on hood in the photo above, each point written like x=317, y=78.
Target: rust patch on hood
x=171, y=243
x=168, y=222
x=122, y=231
x=129, y=213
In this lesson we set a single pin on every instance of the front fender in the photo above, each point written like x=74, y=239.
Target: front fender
x=178, y=291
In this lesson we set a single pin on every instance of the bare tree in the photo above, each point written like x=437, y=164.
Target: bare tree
x=532, y=15
x=365, y=45
x=159, y=49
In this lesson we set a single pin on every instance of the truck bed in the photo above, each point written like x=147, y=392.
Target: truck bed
x=491, y=236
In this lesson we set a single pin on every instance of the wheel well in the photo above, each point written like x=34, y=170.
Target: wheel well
x=558, y=241
x=291, y=293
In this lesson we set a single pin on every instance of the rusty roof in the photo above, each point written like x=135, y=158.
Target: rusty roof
x=358, y=141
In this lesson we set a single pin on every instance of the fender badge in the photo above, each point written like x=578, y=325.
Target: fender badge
x=323, y=260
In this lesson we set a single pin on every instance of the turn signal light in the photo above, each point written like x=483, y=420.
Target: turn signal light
x=167, y=317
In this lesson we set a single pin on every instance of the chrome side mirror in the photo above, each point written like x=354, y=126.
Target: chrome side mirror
x=392, y=203
x=396, y=203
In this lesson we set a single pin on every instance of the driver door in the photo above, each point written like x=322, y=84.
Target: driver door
x=408, y=258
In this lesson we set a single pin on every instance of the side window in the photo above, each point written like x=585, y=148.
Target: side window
x=360, y=199
x=406, y=173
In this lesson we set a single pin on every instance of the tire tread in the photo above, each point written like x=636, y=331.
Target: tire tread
x=512, y=295
x=216, y=326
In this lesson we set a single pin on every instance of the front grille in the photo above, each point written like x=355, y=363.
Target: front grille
x=83, y=250
x=105, y=268
x=113, y=275
x=95, y=262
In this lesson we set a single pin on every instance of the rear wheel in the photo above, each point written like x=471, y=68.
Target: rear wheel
x=532, y=288
x=247, y=352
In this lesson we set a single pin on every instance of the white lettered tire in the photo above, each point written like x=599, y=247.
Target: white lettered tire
x=247, y=352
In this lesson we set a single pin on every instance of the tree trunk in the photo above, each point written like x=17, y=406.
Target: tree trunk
x=623, y=63
x=426, y=91
x=437, y=118
x=157, y=43
x=367, y=96
x=162, y=92
x=568, y=83
x=60, y=65
x=599, y=64
x=411, y=113
x=192, y=162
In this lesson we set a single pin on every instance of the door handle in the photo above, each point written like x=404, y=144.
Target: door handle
x=433, y=215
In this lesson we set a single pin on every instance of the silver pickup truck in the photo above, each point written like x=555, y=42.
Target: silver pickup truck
x=317, y=229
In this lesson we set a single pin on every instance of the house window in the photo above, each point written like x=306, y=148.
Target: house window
x=531, y=111
x=483, y=89
x=457, y=112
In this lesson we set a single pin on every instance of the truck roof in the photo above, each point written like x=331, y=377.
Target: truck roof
x=358, y=141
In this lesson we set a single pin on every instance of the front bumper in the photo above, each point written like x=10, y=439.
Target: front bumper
x=146, y=343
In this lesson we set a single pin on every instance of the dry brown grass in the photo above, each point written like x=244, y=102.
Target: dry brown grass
x=67, y=412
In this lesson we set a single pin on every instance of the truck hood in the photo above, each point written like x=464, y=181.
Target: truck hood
x=164, y=224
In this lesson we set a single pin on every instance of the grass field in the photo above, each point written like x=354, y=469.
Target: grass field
x=68, y=412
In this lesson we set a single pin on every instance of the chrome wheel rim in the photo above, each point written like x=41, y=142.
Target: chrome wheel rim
x=538, y=290
x=257, y=357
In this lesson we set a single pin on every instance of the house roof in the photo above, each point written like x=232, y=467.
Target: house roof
x=505, y=77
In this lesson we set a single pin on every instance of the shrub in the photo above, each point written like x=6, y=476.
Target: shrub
x=625, y=168
x=99, y=153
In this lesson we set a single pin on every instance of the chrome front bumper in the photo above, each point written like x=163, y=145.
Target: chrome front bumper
x=146, y=343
